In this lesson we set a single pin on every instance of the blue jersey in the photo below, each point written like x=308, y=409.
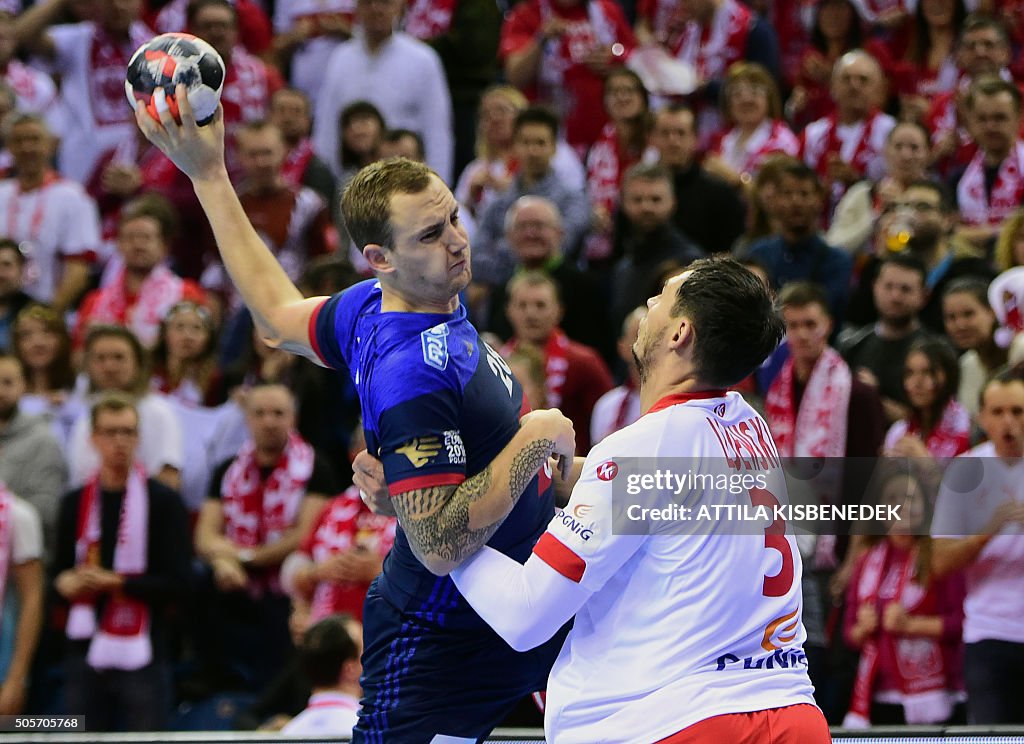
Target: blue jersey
x=438, y=406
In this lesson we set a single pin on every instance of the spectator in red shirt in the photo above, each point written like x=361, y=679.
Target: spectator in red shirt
x=576, y=374
x=559, y=51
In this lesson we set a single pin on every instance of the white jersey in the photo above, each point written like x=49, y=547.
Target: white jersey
x=55, y=221
x=98, y=116
x=680, y=627
x=970, y=493
x=328, y=714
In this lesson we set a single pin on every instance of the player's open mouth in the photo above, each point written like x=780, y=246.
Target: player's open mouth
x=458, y=267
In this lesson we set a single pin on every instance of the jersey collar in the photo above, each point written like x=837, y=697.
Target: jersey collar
x=677, y=398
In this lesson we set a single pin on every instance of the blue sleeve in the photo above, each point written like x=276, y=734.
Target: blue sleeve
x=332, y=324
x=420, y=444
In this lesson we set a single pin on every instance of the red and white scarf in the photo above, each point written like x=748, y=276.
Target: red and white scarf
x=108, y=58
x=6, y=535
x=121, y=638
x=950, y=437
x=769, y=138
x=979, y=208
x=345, y=523
x=863, y=152
x=607, y=161
x=919, y=668
x=711, y=49
x=818, y=429
x=142, y=313
x=871, y=10
x=296, y=162
x=556, y=364
x=427, y=19
x=258, y=512
x=579, y=38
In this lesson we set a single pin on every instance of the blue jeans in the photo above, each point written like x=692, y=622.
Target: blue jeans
x=995, y=684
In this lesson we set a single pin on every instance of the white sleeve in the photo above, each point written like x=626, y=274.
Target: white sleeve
x=161, y=443
x=81, y=225
x=524, y=604
x=27, y=533
x=582, y=542
x=68, y=39
x=436, y=122
x=953, y=515
x=325, y=119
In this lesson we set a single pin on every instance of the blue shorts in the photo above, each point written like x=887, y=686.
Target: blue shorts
x=422, y=681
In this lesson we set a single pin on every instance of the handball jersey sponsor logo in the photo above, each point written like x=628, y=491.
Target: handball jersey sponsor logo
x=607, y=471
x=576, y=525
x=435, y=346
x=421, y=450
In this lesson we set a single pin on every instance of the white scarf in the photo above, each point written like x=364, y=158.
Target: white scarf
x=977, y=208
x=559, y=53
x=769, y=138
x=121, y=639
x=712, y=53
x=159, y=292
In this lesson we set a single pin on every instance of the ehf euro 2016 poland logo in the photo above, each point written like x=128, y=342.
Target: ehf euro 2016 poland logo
x=607, y=471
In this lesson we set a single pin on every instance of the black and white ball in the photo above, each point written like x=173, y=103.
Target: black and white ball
x=167, y=60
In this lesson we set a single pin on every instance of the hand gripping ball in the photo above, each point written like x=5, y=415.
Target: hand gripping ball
x=167, y=60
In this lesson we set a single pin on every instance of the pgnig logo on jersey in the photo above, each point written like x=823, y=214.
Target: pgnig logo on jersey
x=435, y=346
x=607, y=471
x=575, y=523
x=777, y=636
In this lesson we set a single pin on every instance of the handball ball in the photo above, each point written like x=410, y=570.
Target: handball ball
x=167, y=60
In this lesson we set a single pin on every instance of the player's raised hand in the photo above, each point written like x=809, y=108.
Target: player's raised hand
x=197, y=151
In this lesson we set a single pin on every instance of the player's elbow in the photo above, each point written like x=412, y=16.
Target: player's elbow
x=526, y=638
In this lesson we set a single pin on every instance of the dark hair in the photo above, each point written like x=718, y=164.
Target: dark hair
x=197, y=5
x=992, y=85
x=366, y=203
x=735, y=324
x=921, y=42
x=395, y=136
x=6, y=244
x=854, y=36
x=943, y=359
x=972, y=285
x=800, y=171
x=326, y=646
x=203, y=369
x=350, y=157
x=905, y=261
x=103, y=330
x=642, y=122
x=301, y=95
x=537, y=115
x=913, y=124
x=802, y=294
x=945, y=200
x=981, y=21
x=1002, y=376
x=158, y=209
x=533, y=278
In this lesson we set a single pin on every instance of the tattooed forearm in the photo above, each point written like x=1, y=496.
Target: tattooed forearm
x=525, y=465
x=437, y=521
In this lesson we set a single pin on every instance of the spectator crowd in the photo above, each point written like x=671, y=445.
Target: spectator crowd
x=180, y=542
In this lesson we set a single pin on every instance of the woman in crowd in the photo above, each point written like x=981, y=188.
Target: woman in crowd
x=971, y=326
x=185, y=357
x=906, y=624
x=1010, y=243
x=835, y=31
x=362, y=129
x=937, y=426
x=753, y=110
x=928, y=68
x=907, y=153
x=43, y=344
x=620, y=146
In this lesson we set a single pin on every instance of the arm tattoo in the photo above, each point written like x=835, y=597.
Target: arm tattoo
x=436, y=520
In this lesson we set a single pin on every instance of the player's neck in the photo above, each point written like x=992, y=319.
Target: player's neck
x=29, y=179
x=394, y=302
x=663, y=383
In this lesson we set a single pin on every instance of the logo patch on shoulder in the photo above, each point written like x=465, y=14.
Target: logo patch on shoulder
x=435, y=346
x=421, y=450
x=607, y=471
x=720, y=410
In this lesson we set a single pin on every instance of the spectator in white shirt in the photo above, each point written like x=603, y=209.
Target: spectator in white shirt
x=400, y=75
x=979, y=527
x=329, y=658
